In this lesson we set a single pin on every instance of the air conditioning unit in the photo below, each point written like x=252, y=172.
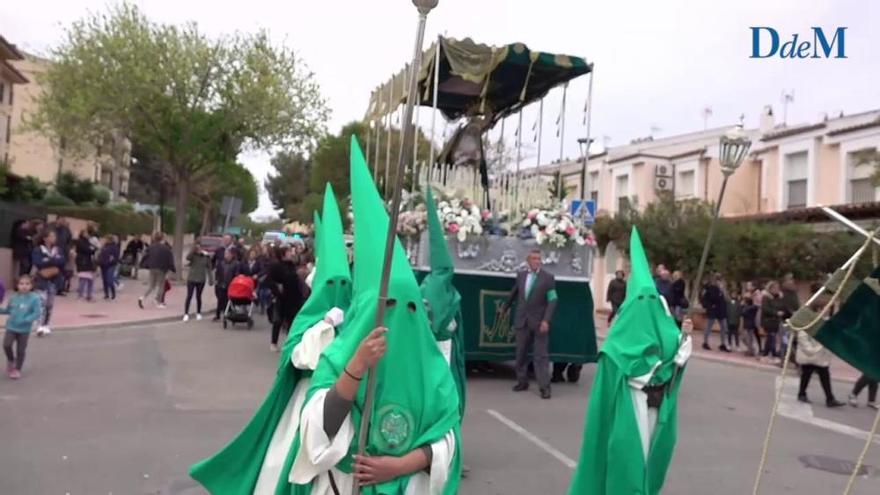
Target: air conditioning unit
x=663, y=177
x=663, y=183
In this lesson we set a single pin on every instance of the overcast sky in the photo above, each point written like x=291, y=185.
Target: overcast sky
x=658, y=64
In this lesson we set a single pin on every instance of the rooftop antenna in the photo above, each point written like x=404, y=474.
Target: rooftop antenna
x=707, y=112
x=786, y=99
x=655, y=129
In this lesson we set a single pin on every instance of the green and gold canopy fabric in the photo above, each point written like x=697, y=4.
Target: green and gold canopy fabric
x=477, y=79
x=416, y=402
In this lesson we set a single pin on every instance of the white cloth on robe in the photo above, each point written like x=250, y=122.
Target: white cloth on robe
x=282, y=439
x=646, y=417
x=307, y=353
x=305, y=356
x=318, y=455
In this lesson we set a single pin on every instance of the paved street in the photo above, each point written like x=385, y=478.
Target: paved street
x=125, y=411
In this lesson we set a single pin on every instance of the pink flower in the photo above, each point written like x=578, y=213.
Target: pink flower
x=532, y=215
x=452, y=228
x=570, y=230
x=486, y=214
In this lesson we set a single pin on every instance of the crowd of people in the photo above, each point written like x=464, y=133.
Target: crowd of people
x=279, y=273
x=752, y=319
x=50, y=260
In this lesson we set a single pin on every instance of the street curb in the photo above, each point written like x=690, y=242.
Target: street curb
x=767, y=368
x=126, y=324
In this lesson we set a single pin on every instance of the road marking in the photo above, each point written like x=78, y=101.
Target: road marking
x=791, y=408
x=564, y=459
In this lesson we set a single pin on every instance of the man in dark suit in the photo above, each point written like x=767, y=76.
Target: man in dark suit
x=535, y=296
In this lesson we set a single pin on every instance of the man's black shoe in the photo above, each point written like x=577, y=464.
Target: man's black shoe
x=706, y=346
x=557, y=379
x=520, y=387
x=545, y=393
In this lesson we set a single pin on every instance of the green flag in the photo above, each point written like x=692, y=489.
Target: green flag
x=641, y=344
x=416, y=402
x=853, y=333
x=235, y=469
x=444, y=301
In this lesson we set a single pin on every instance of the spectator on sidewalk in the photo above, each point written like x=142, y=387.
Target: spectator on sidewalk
x=24, y=308
x=616, y=293
x=814, y=357
x=64, y=240
x=85, y=266
x=664, y=284
x=286, y=287
x=228, y=245
x=713, y=301
x=734, y=314
x=865, y=381
x=772, y=315
x=199, y=272
x=159, y=260
x=108, y=260
x=224, y=272
x=22, y=241
x=792, y=303
x=253, y=266
x=679, y=303
x=750, y=326
x=49, y=263
x=133, y=251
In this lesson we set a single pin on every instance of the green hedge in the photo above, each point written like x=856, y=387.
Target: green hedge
x=110, y=221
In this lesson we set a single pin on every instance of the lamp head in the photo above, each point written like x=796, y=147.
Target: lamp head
x=733, y=147
x=425, y=6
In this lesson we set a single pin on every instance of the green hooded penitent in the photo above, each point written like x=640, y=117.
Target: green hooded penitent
x=235, y=469
x=643, y=339
x=416, y=402
x=444, y=301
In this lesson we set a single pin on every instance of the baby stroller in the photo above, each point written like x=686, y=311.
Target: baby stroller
x=126, y=265
x=240, y=305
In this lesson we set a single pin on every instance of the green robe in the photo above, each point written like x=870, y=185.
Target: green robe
x=235, y=469
x=444, y=301
x=644, y=337
x=416, y=401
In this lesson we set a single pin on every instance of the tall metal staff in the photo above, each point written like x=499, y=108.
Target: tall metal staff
x=561, y=132
x=424, y=7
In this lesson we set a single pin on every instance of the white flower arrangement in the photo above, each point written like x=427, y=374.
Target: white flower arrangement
x=556, y=228
x=461, y=218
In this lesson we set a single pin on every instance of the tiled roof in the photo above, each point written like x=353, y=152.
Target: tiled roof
x=857, y=211
x=8, y=51
x=791, y=131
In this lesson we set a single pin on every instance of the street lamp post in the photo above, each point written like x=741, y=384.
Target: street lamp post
x=584, y=144
x=408, y=130
x=733, y=147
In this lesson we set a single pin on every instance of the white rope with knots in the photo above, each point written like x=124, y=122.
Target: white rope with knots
x=778, y=398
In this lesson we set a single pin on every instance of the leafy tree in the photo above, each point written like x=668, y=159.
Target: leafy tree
x=230, y=179
x=192, y=101
x=24, y=190
x=79, y=190
x=289, y=184
x=674, y=232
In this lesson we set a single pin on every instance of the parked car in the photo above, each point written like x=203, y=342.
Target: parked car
x=211, y=242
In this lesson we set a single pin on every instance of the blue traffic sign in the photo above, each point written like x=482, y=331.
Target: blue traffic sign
x=584, y=209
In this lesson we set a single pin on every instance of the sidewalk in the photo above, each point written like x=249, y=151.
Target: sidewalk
x=71, y=313
x=840, y=370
